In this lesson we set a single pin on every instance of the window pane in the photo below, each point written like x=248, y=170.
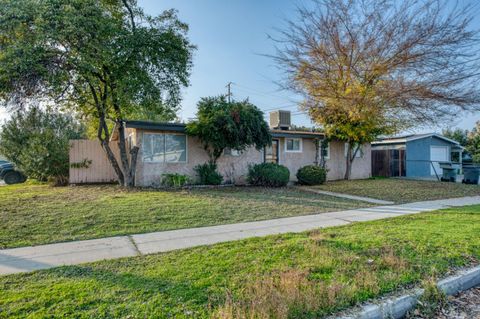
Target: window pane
x=293, y=144
x=153, y=147
x=289, y=145
x=176, y=148
x=296, y=145
x=231, y=152
x=326, y=151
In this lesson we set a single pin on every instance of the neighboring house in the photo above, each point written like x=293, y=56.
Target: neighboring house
x=416, y=155
x=165, y=148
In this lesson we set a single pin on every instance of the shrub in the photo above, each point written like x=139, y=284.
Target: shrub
x=59, y=180
x=37, y=142
x=207, y=174
x=268, y=174
x=175, y=180
x=222, y=124
x=312, y=175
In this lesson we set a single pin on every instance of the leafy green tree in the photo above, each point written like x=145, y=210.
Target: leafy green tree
x=473, y=145
x=235, y=125
x=38, y=143
x=105, y=59
x=459, y=135
x=468, y=139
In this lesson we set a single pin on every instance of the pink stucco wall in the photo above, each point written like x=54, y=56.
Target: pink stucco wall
x=235, y=168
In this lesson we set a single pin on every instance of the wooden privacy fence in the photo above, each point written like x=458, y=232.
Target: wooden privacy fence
x=89, y=164
x=388, y=163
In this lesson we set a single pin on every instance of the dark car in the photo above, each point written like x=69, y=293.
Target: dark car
x=9, y=174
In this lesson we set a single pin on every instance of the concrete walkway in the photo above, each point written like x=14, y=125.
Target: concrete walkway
x=27, y=259
x=359, y=198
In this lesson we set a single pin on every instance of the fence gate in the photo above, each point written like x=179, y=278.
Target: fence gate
x=388, y=163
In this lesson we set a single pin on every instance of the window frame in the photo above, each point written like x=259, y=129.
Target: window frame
x=232, y=152
x=300, y=150
x=165, y=147
x=327, y=149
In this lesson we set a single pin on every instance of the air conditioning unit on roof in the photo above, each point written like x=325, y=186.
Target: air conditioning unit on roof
x=280, y=120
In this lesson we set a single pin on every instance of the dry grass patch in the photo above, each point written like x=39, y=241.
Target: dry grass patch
x=401, y=190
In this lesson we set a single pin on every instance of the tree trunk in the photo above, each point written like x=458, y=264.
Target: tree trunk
x=133, y=162
x=113, y=161
x=351, y=154
x=318, y=151
x=129, y=167
x=104, y=137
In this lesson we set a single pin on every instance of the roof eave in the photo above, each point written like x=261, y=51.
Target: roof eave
x=297, y=135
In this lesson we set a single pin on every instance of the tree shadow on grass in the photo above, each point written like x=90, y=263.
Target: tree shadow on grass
x=139, y=286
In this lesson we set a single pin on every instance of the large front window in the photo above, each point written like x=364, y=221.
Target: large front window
x=164, y=148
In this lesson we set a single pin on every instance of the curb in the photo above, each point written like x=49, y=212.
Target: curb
x=399, y=306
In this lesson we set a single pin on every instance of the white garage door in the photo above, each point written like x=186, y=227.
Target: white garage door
x=438, y=154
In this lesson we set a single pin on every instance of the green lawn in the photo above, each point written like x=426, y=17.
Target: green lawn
x=303, y=275
x=39, y=214
x=401, y=190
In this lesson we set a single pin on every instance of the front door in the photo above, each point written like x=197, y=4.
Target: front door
x=271, y=152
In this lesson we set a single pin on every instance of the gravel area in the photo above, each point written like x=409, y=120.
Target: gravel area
x=462, y=306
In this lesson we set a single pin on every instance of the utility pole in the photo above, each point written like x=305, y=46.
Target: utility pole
x=229, y=90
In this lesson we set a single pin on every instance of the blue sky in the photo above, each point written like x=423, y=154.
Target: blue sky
x=231, y=36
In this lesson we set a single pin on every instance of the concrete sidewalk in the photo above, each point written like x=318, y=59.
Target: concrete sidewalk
x=27, y=259
x=353, y=197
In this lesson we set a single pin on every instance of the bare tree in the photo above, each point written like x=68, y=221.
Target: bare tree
x=372, y=67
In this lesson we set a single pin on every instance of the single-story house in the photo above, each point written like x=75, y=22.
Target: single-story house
x=416, y=155
x=165, y=148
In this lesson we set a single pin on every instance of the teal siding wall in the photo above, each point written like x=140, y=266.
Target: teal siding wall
x=418, y=155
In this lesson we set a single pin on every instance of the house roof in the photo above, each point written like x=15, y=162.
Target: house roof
x=297, y=134
x=180, y=127
x=156, y=126
x=407, y=138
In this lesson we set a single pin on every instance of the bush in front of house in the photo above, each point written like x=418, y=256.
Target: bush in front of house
x=175, y=180
x=207, y=174
x=312, y=175
x=36, y=140
x=268, y=174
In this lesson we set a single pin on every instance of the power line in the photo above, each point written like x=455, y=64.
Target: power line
x=258, y=91
x=267, y=94
x=294, y=104
x=279, y=108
